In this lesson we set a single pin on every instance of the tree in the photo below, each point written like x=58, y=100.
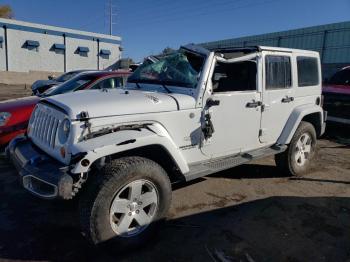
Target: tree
x=6, y=11
x=125, y=63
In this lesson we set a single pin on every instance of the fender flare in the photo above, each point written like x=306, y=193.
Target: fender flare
x=122, y=141
x=294, y=120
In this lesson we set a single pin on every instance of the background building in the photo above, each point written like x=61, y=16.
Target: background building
x=332, y=41
x=26, y=47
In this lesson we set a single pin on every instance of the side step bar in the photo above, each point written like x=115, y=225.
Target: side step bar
x=215, y=165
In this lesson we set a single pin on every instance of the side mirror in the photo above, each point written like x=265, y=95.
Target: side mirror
x=51, y=77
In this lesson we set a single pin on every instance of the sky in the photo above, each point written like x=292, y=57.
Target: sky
x=149, y=26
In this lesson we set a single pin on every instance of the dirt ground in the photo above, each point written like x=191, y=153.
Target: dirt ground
x=14, y=91
x=248, y=213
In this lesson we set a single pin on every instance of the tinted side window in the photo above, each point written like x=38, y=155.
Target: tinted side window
x=109, y=83
x=307, y=71
x=278, y=72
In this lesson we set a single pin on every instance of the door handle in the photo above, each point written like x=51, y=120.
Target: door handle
x=212, y=102
x=253, y=104
x=287, y=99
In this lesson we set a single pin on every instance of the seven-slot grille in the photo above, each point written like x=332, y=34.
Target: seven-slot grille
x=44, y=127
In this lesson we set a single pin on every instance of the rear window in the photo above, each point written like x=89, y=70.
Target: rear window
x=278, y=72
x=308, y=74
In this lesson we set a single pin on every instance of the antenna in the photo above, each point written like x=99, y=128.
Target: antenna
x=111, y=15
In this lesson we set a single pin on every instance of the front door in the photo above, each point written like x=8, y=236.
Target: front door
x=278, y=95
x=234, y=110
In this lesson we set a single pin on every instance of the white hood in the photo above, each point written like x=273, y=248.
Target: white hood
x=100, y=103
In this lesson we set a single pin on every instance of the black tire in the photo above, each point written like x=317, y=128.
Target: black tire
x=287, y=162
x=96, y=200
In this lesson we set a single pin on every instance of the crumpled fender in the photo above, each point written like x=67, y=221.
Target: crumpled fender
x=120, y=141
x=294, y=120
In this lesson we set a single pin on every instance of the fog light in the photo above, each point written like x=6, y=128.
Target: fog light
x=85, y=162
x=63, y=152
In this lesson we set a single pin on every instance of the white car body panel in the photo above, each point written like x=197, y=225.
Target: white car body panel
x=108, y=145
x=103, y=103
x=294, y=120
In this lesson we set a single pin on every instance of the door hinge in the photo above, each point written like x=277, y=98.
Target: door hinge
x=262, y=132
x=208, y=128
x=262, y=107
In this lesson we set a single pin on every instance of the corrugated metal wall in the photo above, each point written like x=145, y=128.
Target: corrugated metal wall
x=332, y=41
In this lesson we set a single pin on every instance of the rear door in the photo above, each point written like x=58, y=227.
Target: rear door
x=278, y=94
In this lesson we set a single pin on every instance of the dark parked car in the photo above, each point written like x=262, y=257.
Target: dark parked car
x=336, y=92
x=40, y=86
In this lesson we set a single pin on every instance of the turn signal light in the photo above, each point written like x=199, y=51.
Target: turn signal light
x=63, y=152
x=85, y=162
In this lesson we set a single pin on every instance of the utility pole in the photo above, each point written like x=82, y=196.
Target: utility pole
x=110, y=18
x=111, y=14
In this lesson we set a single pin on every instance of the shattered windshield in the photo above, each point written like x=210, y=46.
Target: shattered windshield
x=180, y=68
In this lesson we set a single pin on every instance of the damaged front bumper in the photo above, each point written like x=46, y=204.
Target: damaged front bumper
x=40, y=174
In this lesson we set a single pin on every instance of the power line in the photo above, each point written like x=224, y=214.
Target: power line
x=178, y=8
x=189, y=13
x=202, y=12
x=155, y=9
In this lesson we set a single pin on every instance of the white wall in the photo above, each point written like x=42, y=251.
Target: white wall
x=2, y=52
x=21, y=59
x=113, y=58
x=76, y=60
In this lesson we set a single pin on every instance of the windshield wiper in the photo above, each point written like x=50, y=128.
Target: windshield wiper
x=167, y=89
x=152, y=82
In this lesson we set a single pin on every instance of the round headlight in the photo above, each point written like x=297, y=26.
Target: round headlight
x=66, y=127
x=64, y=131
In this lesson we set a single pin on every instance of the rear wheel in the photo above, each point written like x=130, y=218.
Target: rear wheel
x=297, y=158
x=126, y=204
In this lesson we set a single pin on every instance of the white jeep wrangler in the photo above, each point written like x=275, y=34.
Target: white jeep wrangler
x=189, y=114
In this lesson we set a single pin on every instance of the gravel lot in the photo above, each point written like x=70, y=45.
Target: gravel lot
x=14, y=91
x=249, y=213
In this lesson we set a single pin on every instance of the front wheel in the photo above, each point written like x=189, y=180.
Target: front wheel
x=297, y=158
x=124, y=205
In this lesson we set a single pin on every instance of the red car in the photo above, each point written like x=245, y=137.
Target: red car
x=15, y=114
x=336, y=92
